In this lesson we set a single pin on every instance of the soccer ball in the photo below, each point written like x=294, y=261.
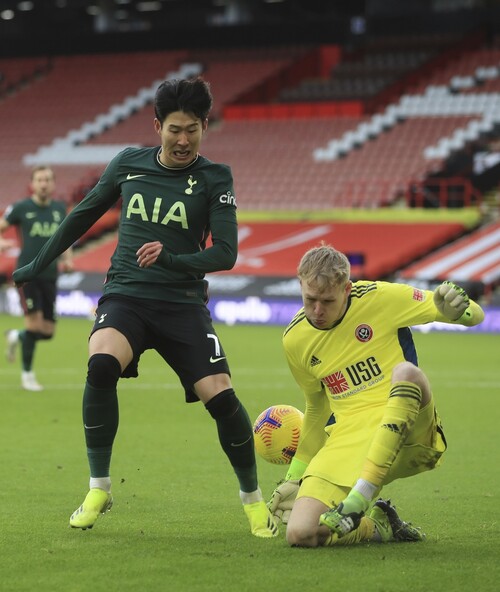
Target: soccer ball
x=276, y=433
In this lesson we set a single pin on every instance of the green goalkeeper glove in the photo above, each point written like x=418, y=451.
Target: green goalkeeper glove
x=283, y=498
x=451, y=300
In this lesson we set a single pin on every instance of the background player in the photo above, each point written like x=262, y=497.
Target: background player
x=36, y=218
x=351, y=351
x=155, y=293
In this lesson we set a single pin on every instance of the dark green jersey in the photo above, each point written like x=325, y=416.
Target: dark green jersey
x=36, y=224
x=180, y=207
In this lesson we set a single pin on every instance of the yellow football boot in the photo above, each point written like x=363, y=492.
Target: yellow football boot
x=96, y=502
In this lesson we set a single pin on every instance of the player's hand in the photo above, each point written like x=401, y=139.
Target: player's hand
x=149, y=253
x=22, y=276
x=283, y=498
x=451, y=300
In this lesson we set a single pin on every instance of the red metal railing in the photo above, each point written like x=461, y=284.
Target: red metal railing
x=449, y=192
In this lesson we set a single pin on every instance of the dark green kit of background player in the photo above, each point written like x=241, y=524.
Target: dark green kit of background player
x=36, y=224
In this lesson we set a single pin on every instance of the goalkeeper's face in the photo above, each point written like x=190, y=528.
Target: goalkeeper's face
x=323, y=308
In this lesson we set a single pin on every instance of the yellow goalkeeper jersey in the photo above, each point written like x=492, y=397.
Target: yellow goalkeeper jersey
x=352, y=362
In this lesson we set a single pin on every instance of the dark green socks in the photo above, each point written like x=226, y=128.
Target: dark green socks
x=235, y=436
x=100, y=412
x=28, y=341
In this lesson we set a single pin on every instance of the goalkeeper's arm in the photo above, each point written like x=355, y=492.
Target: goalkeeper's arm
x=312, y=438
x=312, y=433
x=455, y=306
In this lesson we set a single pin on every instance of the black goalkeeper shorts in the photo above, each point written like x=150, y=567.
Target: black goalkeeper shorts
x=183, y=335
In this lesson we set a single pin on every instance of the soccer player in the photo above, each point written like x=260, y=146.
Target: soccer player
x=155, y=293
x=351, y=352
x=36, y=218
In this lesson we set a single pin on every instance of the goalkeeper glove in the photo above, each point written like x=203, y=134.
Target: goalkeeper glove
x=451, y=300
x=283, y=498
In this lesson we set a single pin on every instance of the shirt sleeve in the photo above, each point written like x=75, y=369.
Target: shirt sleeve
x=222, y=222
x=317, y=409
x=221, y=255
x=413, y=306
x=408, y=305
x=11, y=216
x=313, y=435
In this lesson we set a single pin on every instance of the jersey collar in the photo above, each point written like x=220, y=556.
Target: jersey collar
x=338, y=321
x=164, y=166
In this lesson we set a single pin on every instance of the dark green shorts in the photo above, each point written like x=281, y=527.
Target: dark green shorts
x=39, y=295
x=183, y=335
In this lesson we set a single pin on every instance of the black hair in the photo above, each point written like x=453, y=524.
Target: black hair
x=190, y=96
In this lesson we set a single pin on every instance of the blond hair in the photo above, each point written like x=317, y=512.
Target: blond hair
x=324, y=267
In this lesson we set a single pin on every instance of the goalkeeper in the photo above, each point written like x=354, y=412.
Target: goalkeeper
x=351, y=352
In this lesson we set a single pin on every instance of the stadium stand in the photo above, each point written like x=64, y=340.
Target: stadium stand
x=473, y=258
x=121, y=119
x=336, y=155
x=17, y=72
x=369, y=176
x=467, y=72
x=358, y=79
x=89, y=85
x=245, y=69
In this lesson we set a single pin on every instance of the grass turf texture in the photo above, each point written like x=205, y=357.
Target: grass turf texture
x=177, y=523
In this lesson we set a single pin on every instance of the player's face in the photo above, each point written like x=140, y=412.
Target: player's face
x=180, y=136
x=42, y=184
x=324, y=308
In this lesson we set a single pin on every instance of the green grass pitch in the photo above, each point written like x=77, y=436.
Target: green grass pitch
x=177, y=524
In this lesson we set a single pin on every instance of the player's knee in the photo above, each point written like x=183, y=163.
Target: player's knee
x=104, y=370
x=406, y=371
x=45, y=336
x=224, y=404
x=299, y=536
x=293, y=536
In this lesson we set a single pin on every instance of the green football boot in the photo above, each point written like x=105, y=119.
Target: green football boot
x=339, y=523
x=390, y=526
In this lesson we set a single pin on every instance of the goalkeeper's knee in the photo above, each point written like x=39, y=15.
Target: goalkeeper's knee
x=408, y=372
